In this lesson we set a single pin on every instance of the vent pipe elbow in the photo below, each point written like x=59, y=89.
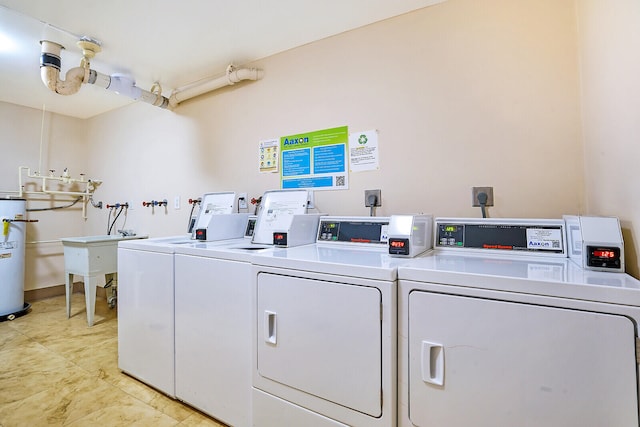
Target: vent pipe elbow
x=50, y=64
x=236, y=76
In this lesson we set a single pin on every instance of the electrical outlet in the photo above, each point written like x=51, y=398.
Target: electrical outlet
x=176, y=202
x=242, y=201
x=377, y=194
x=477, y=190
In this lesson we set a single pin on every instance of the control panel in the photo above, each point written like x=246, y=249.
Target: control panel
x=354, y=230
x=410, y=235
x=512, y=235
x=595, y=242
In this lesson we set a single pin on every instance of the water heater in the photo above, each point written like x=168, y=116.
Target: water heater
x=12, y=212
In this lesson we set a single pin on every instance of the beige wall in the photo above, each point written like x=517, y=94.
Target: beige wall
x=43, y=141
x=463, y=93
x=610, y=70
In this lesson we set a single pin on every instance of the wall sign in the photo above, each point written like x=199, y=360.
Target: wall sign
x=363, y=151
x=268, y=155
x=315, y=160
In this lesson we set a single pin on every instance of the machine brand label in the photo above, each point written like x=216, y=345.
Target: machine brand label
x=7, y=255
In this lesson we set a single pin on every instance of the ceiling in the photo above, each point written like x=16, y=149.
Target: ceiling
x=172, y=42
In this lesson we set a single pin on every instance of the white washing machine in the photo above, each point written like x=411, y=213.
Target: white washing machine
x=146, y=321
x=213, y=309
x=213, y=329
x=145, y=313
x=498, y=328
x=324, y=329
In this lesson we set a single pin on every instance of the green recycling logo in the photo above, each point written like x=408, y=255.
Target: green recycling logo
x=362, y=139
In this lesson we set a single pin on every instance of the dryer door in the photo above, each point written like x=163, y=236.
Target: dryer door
x=322, y=338
x=482, y=362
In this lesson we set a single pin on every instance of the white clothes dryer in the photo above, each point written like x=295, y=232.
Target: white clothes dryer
x=324, y=329
x=490, y=337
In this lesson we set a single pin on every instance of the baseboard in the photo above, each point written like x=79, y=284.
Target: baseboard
x=54, y=291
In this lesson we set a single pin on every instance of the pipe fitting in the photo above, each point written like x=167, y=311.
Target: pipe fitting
x=50, y=65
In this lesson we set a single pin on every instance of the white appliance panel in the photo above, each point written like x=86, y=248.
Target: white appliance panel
x=323, y=338
x=213, y=336
x=146, y=300
x=518, y=364
x=275, y=412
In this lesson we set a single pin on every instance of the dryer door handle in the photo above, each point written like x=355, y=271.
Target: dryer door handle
x=432, y=363
x=270, y=327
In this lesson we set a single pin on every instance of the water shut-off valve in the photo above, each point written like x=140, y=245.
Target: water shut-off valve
x=153, y=203
x=118, y=206
x=7, y=221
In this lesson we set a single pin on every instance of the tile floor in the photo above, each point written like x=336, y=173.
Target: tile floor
x=56, y=371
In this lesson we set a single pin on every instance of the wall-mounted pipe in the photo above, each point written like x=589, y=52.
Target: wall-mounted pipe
x=90, y=186
x=50, y=65
x=231, y=77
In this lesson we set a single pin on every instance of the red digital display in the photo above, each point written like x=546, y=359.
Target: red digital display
x=278, y=236
x=397, y=244
x=599, y=253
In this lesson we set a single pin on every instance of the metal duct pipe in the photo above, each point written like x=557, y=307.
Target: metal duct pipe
x=50, y=70
x=231, y=77
x=50, y=64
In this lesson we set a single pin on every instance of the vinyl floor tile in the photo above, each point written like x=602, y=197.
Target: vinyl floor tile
x=61, y=372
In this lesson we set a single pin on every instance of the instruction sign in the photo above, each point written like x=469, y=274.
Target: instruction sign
x=315, y=159
x=268, y=155
x=363, y=151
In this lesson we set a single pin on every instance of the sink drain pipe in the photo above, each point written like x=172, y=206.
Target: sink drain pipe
x=50, y=65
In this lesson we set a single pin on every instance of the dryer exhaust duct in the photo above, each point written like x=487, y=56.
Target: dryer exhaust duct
x=51, y=64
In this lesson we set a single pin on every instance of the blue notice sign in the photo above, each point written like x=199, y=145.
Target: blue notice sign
x=329, y=159
x=320, y=182
x=296, y=162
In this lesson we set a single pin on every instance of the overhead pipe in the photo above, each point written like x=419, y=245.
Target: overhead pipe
x=124, y=85
x=231, y=77
x=50, y=65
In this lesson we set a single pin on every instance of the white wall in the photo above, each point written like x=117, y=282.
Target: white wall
x=610, y=72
